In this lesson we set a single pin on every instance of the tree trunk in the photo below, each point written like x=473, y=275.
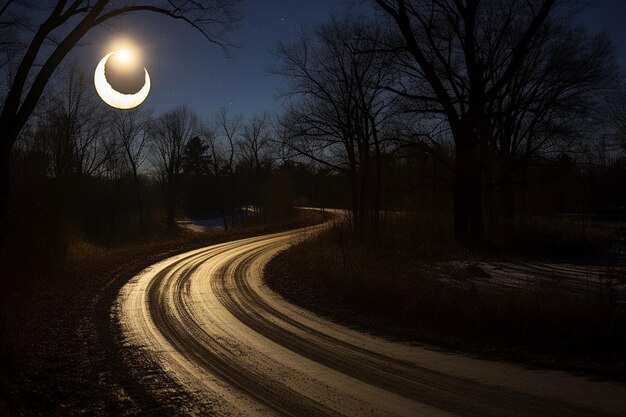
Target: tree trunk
x=171, y=205
x=378, y=166
x=377, y=187
x=8, y=135
x=231, y=198
x=364, y=200
x=468, y=210
x=524, y=187
x=6, y=151
x=142, y=222
x=354, y=191
x=356, y=212
x=507, y=187
x=434, y=193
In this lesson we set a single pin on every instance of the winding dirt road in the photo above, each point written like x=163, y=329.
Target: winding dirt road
x=237, y=348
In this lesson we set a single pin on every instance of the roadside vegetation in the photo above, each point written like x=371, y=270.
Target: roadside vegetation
x=387, y=286
x=59, y=349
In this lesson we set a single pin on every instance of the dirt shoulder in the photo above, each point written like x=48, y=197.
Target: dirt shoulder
x=62, y=351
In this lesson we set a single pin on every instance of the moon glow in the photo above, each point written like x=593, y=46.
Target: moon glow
x=113, y=97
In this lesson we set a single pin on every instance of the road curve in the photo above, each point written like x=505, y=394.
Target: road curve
x=237, y=348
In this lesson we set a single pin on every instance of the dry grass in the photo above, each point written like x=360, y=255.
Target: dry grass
x=387, y=287
x=549, y=237
x=28, y=276
x=55, y=340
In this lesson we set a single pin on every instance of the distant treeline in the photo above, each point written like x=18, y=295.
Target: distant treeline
x=82, y=170
x=85, y=171
x=470, y=117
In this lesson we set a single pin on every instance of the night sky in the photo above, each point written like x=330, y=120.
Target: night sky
x=187, y=69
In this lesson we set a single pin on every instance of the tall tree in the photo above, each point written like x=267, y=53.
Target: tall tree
x=255, y=161
x=198, y=180
x=70, y=130
x=462, y=54
x=172, y=132
x=254, y=142
x=130, y=130
x=74, y=125
x=550, y=102
x=617, y=115
x=229, y=127
x=338, y=107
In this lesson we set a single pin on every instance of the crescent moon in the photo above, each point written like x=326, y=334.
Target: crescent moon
x=113, y=97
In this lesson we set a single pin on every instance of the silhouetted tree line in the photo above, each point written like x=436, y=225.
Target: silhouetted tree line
x=473, y=111
x=83, y=170
x=469, y=114
x=35, y=39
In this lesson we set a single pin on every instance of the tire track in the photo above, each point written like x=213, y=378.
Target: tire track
x=418, y=383
x=207, y=320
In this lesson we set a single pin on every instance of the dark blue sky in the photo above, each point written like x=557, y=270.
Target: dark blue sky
x=609, y=15
x=186, y=69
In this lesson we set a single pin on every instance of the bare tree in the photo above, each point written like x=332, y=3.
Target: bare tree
x=61, y=26
x=460, y=56
x=338, y=107
x=255, y=160
x=617, y=116
x=171, y=133
x=230, y=128
x=550, y=102
x=130, y=128
x=74, y=125
x=114, y=164
x=70, y=130
x=215, y=150
x=254, y=143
